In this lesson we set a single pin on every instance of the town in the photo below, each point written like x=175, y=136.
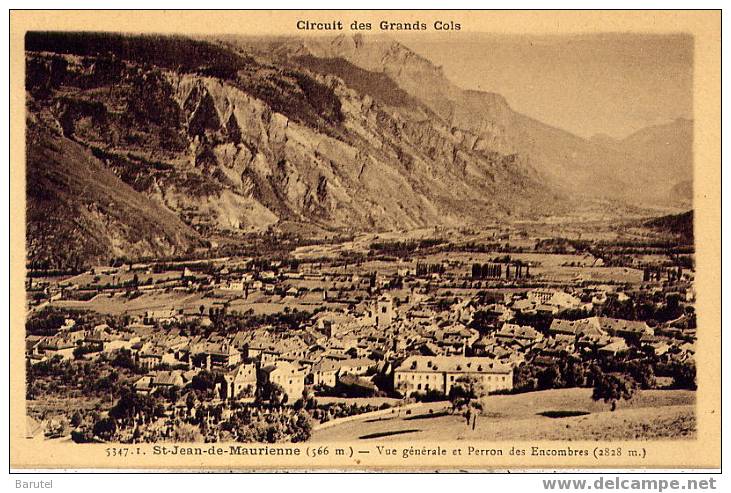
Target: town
x=272, y=348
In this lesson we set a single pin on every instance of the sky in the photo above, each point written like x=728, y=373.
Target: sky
x=588, y=84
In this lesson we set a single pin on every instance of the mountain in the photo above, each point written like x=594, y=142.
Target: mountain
x=675, y=224
x=80, y=213
x=659, y=158
x=571, y=164
x=642, y=168
x=208, y=139
x=233, y=135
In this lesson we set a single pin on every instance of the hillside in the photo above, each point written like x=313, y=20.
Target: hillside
x=234, y=143
x=240, y=135
x=675, y=224
x=560, y=414
x=660, y=158
x=79, y=213
x=643, y=168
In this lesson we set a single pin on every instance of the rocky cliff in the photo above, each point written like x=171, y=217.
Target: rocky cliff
x=227, y=142
x=644, y=167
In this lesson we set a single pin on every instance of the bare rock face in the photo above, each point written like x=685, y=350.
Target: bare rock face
x=245, y=148
x=75, y=201
x=484, y=122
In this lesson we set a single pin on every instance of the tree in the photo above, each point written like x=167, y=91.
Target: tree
x=272, y=393
x=524, y=378
x=203, y=381
x=105, y=428
x=131, y=404
x=684, y=375
x=574, y=373
x=190, y=401
x=467, y=391
x=302, y=427
x=611, y=387
x=642, y=372
x=404, y=388
x=124, y=359
x=550, y=378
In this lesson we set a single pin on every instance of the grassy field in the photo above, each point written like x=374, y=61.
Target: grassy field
x=361, y=401
x=118, y=304
x=260, y=303
x=548, y=266
x=566, y=414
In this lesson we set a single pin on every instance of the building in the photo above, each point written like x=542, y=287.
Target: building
x=523, y=335
x=585, y=327
x=595, y=327
x=439, y=373
x=239, y=382
x=150, y=357
x=325, y=373
x=220, y=354
x=287, y=376
x=233, y=285
x=103, y=338
x=328, y=371
x=161, y=316
x=384, y=312
x=58, y=345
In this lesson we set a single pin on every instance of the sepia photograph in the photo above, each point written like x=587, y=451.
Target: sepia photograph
x=372, y=229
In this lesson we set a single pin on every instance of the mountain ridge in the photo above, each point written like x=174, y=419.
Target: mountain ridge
x=573, y=164
x=235, y=151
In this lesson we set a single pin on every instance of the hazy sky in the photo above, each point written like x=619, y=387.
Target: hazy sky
x=587, y=84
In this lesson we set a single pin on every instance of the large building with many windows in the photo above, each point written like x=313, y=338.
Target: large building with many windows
x=420, y=374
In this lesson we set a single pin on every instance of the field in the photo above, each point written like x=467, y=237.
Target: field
x=190, y=303
x=548, y=266
x=566, y=414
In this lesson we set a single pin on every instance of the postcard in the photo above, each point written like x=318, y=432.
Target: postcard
x=365, y=240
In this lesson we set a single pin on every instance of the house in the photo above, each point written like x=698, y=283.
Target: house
x=151, y=356
x=553, y=298
x=524, y=306
x=356, y=366
x=439, y=373
x=357, y=386
x=239, y=382
x=586, y=327
x=103, y=338
x=33, y=345
x=158, y=380
x=218, y=354
x=233, y=285
x=144, y=385
x=287, y=376
x=598, y=326
x=546, y=301
x=58, y=345
x=629, y=329
x=523, y=335
x=161, y=316
x=456, y=338
x=325, y=373
x=167, y=379
x=616, y=347
x=329, y=372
